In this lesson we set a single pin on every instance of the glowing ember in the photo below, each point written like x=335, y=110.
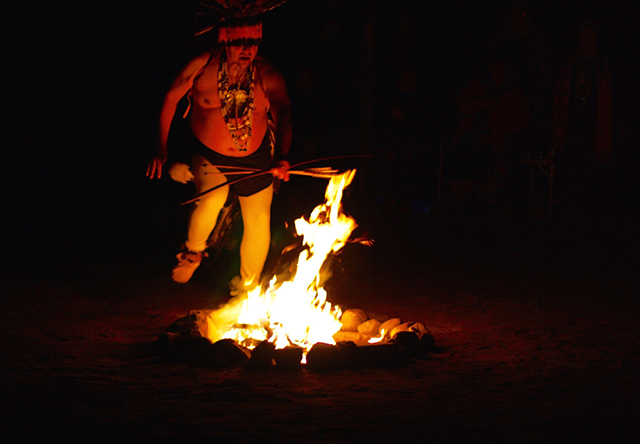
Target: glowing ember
x=294, y=312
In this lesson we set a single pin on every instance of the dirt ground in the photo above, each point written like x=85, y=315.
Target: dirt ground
x=537, y=324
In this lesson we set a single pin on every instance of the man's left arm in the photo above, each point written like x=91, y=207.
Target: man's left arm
x=276, y=89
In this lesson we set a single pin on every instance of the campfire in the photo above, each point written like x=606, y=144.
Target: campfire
x=290, y=321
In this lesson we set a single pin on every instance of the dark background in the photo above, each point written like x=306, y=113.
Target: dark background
x=536, y=318
x=86, y=81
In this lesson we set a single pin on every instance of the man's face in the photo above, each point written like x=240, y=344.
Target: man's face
x=241, y=55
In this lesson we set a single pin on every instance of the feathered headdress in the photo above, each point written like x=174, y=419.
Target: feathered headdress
x=238, y=21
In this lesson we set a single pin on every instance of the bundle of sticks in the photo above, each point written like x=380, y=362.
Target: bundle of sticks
x=245, y=172
x=321, y=172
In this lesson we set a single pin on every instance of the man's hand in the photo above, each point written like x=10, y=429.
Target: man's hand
x=155, y=166
x=281, y=171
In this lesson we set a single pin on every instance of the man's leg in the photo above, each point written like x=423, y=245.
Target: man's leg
x=203, y=217
x=256, y=217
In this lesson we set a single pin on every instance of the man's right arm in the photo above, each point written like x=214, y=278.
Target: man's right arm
x=180, y=86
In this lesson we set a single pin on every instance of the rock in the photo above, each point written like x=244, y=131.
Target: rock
x=409, y=344
x=389, y=325
x=186, y=325
x=426, y=339
x=349, y=350
x=325, y=358
x=288, y=358
x=379, y=316
x=419, y=328
x=398, y=328
x=167, y=340
x=352, y=318
x=427, y=343
x=185, y=347
x=228, y=352
x=262, y=357
x=349, y=336
x=369, y=328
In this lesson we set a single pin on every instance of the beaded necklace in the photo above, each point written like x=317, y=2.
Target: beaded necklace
x=237, y=105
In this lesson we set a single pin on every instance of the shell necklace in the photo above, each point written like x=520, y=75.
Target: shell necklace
x=237, y=106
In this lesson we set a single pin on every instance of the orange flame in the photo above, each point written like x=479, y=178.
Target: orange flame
x=294, y=312
x=379, y=338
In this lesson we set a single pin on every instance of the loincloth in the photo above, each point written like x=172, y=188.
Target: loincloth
x=261, y=159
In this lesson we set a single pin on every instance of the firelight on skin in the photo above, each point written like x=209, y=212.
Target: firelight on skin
x=239, y=115
x=240, y=57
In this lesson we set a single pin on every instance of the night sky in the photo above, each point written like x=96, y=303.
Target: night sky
x=86, y=81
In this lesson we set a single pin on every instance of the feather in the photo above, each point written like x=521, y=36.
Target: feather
x=180, y=172
x=214, y=12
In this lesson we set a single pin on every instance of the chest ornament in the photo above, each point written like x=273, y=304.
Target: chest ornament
x=236, y=104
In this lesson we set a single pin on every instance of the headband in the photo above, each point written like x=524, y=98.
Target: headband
x=242, y=35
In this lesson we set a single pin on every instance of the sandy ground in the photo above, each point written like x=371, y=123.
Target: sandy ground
x=539, y=334
x=537, y=322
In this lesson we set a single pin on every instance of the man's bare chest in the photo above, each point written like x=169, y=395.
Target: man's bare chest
x=206, y=93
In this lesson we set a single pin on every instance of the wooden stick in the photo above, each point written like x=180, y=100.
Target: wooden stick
x=322, y=173
x=230, y=172
x=235, y=167
x=313, y=172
